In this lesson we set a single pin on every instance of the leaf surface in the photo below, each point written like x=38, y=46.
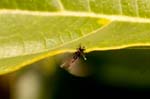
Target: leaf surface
x=31, y=30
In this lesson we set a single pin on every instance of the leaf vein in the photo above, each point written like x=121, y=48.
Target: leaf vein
x=61, y=5
x=120, y=7
x=137, y=8
x=79, y=14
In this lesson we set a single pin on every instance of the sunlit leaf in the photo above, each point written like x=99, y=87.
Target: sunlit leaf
x=31, y=30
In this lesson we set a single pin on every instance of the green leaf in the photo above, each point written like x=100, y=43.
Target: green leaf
x=31, y=30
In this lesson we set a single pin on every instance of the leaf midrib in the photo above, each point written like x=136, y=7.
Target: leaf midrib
x=78, y=14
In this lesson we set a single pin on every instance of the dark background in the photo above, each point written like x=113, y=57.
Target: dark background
x=119, y=73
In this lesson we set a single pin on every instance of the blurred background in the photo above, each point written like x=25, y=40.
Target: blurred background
x=113, y=73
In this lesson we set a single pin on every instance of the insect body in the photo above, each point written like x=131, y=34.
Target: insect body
x=79, y=53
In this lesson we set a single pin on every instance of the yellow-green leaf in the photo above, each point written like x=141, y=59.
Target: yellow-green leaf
x=31, y=30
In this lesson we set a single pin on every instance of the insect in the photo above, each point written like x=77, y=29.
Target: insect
x=78, y=54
